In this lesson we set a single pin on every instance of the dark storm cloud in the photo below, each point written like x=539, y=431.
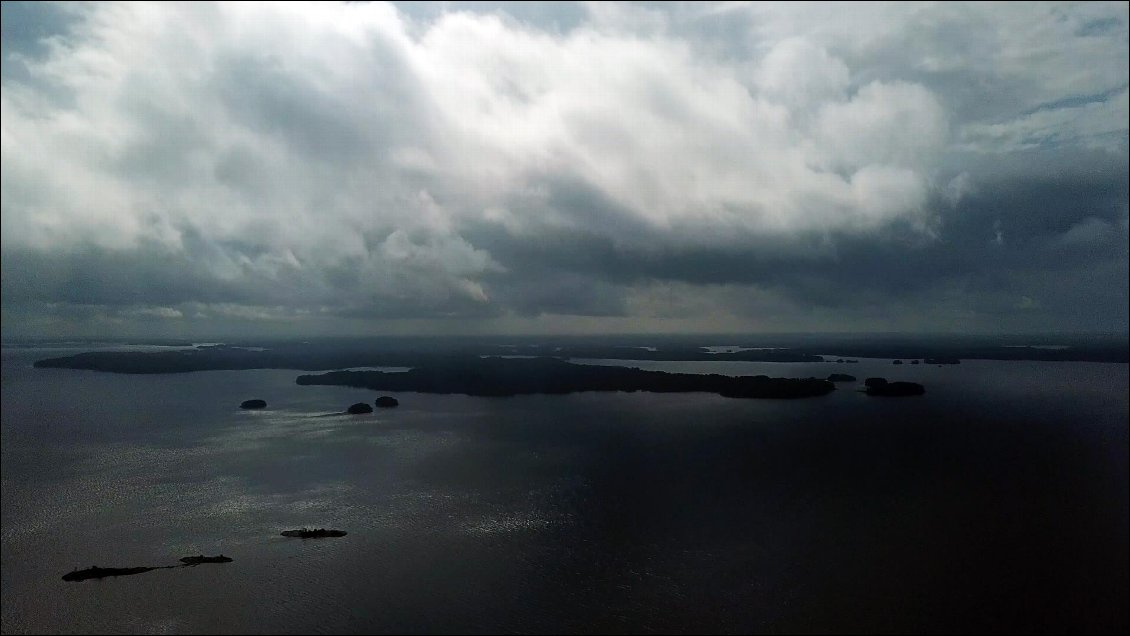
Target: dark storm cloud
x=502, y=166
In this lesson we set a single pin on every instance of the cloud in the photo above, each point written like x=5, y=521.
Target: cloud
x=1088, y=232
x=373, y=162
x=167, y=313
x=1099, y=124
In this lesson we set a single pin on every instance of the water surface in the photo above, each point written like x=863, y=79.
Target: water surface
x=997, y=501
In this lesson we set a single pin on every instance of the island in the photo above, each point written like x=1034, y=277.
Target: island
x=881, y=388
x=941, y=361
x=387, y=402
x=253, y=404
x=310, y=533
x=359, y=409
x=841, y=377
x=95, y=572
x=197, y=560
x=502, y=377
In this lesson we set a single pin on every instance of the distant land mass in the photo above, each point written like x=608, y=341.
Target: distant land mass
x=318, y=358
x=331, y=354
x=523, y=376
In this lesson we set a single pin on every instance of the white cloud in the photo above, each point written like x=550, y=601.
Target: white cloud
x=167, y=313
x=799, y=74
x=343, y=153
x=886, y=124
x=314, y=120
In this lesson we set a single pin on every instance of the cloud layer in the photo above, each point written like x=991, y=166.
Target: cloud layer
x=195, y=168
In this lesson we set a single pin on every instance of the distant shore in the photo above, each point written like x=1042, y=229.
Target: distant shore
x=335, y=355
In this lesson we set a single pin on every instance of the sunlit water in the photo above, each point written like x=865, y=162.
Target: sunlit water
x=997, y=501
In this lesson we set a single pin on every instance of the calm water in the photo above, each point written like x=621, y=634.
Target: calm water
x=998, y=501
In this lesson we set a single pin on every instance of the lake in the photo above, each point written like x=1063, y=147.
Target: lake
x=995, y=502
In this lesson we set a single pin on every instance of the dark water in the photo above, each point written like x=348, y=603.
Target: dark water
x=998, y=501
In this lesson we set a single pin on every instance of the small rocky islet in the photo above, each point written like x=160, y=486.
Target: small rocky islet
x=253, y=404
x=313, y=533
x=197, y=560
x=95, y=572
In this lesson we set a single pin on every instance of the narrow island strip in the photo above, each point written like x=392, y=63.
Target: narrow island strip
x=95, y=572
x=500, y=377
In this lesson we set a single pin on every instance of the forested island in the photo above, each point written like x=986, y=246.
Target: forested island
x=524, y=376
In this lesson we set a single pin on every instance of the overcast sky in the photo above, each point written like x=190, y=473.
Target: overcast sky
x=191, y=169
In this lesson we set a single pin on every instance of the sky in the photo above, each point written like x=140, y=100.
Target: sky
x=195, y=169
